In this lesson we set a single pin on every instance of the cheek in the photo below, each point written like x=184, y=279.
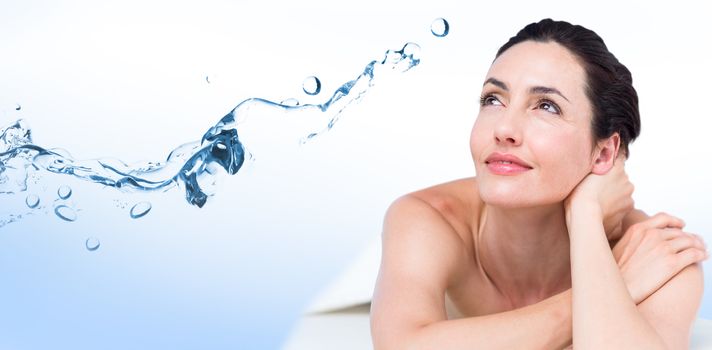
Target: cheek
x=477, y=139
x=561, y=157
x=563, y=161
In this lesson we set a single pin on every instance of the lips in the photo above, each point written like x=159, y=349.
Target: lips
x=506, y=164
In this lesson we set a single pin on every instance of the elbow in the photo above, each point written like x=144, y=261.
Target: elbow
x=400, y=343
x=391, y=342
x=388, y=337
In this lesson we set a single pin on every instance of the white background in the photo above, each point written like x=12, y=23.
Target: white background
x=127, y=80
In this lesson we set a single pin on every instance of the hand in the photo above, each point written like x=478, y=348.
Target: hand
x=653, y=251
x=612, y=192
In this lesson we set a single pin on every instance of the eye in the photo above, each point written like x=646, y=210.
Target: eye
x=489, y=100
x=549, y=106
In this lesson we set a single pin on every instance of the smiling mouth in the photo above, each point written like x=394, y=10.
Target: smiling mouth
x=504, y=167
x=507, y=162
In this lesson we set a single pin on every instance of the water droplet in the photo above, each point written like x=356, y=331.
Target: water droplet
x=92, y=244
x=18, y=107
x=440, y=27
x=412, y=50
x=32, y=201
x=291, y=102
x=140, y=209
x=207, y=79
x=65, y=213
x=311, y=85
x=64, y=192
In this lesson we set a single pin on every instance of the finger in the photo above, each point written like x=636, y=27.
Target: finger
x=663, y=220
x=670, y=233
x=699, y=242
x=699, y=238
x=684, y=242
x=690, y=256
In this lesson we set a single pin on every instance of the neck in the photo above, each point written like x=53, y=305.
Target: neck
x=525, y=251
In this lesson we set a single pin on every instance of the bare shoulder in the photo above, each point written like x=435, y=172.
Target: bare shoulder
x=458, y=202
x=440, y=214
x=415, y=224
x=423, y=254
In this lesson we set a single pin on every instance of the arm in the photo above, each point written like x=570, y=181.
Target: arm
x=598, y=290
x=600, y=276
x=672, y=309
x=630, y=218
x=422, y=255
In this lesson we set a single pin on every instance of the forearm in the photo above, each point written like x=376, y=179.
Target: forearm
x=604, y=314
x=544, y=325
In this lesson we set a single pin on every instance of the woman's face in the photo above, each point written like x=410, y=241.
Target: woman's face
x=533, y=107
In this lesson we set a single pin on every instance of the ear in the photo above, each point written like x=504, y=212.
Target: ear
x=605, y=154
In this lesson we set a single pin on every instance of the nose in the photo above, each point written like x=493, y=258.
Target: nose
x=507, y=130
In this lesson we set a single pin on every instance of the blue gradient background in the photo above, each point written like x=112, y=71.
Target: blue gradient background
x=127, y=80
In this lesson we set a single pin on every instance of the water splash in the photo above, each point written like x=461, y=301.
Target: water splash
x=440, y=27
x=65, y=213
x=192, y=165
x=92, y=244
x=140, y=209
x=64, y=192
x=32, y=201
x=290, y=102
x=311, y=85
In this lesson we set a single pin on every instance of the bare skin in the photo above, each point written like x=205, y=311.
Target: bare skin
x=449, y=284
x=500, y=247
x=484, y=266
x=488, y=269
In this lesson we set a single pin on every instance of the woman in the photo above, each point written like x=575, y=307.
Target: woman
x=543, y=249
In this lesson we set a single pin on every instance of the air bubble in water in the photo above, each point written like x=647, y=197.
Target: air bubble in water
x=32, y=201
x=440, y=27
x=65, y=213
x=412, y=50
x=64, y=192
x=92, y=244
x=18, y=107
x=140, y=209
x=311, y=85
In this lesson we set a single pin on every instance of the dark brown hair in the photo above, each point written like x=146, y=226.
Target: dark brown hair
x=609, y=85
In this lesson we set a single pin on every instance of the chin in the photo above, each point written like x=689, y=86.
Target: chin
x=511, y=196
x=505, y=196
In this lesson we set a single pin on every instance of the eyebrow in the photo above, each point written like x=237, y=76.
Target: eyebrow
x=533, y=90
